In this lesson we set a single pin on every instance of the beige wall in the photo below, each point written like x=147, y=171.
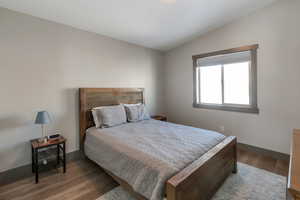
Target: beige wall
x=42, y=65
x=276, y=29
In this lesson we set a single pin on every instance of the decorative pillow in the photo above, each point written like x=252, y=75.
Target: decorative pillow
x=108, y=116
x=97, y=116
x=136, y=112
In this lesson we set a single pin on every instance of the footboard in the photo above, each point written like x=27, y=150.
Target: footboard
x=201, y=179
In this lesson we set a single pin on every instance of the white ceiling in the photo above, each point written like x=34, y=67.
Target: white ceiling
x=157, y=24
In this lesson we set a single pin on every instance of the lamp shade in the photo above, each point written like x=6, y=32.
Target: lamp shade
x=42, y=117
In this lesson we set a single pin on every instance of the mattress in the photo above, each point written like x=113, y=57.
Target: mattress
x=147, y=153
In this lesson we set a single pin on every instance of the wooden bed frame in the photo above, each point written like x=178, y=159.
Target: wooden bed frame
x=198, y=181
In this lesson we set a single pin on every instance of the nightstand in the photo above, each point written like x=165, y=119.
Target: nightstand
x=54, y=150
x=159, y=117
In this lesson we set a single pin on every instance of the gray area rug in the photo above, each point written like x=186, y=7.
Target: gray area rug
x=249, y=183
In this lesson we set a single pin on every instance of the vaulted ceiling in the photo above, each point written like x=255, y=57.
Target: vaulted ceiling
x=157, y=24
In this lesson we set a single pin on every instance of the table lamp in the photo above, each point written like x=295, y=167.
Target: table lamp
x=42, y=118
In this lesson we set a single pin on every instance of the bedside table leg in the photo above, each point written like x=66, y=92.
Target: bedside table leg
x=32, y=159
x=36, y=166
x=57, y=155
x=64, y=154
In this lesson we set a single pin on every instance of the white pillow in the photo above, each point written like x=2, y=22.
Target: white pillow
x=136, y=112
x=108, y=116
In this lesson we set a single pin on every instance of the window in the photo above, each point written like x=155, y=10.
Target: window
x=226, y=80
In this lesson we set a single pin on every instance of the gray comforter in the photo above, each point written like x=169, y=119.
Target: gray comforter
x=147, y=153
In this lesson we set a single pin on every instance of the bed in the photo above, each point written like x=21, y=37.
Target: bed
x=195, y=171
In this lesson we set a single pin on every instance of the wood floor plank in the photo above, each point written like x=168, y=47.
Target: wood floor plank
x=97, y=191
x=20, y=183
x=57, y=178
x=252, y=159
x=242, y=155
x=54, y=183
x=266, y=163
x=282, y=167
x=83, y=186
x=59, y=187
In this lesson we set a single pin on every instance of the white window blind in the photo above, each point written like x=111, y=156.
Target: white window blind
x=244, y=56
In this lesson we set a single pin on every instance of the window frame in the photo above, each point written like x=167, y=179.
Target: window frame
x=252, y=107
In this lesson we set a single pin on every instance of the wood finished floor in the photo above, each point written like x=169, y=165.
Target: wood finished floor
x=86, y=181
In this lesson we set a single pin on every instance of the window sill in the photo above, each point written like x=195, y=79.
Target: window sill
x=254, y=110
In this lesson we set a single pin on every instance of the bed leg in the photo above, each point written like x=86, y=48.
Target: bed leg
x=235, y=169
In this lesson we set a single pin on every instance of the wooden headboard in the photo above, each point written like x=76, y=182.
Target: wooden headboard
x=94, y=97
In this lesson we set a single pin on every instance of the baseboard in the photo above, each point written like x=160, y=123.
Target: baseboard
x=22, y=172
x=265, y=152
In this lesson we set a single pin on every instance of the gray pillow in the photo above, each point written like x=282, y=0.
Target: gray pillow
x=97, y=116
x=108, y=116
x=136, y=112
